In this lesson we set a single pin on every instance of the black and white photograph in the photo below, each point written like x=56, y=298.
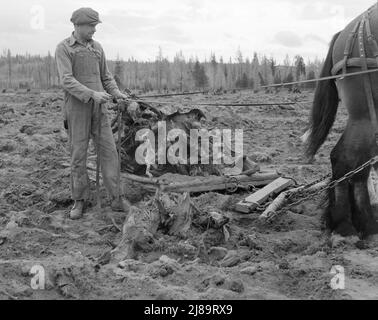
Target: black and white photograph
x=195, y=151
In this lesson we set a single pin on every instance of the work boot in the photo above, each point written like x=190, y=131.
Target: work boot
x=77, y=210
x=121, y=205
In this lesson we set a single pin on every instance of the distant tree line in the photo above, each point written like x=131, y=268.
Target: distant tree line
x=27, y=71
x=181, y=74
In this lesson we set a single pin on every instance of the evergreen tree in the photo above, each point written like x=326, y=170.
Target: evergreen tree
x=240, y=61
x=278, y=78
x=199, y=75
x=214, y=69
x=300, y=67
x=159, y=69
x=118, y=73
x=273, y=66
x=311, y=76
x=243, y=82
x=49, y=69
x=9, y=60
x=266, y=75
x=179, y=65
x=255, y=71
x=289, y=78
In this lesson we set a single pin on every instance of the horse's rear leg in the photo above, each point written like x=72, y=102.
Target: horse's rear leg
x=340, y=211
x=352, y=211
x=363, y=218
x=339, y=215
x=373, y=190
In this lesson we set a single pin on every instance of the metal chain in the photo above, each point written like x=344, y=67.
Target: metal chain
x=232, y=185
x=301, y=193
x=331, y=185
x=325, y=177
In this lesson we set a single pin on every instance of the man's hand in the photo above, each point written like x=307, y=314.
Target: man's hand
x=122, y=96
x=101, y=97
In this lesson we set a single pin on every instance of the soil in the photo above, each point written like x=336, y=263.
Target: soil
x=290, y=258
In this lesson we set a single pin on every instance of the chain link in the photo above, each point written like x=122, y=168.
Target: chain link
x=232, y=185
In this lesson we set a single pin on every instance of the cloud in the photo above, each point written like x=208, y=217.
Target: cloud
x=197, y=27
x=170, y=33
x=13, y=21
x=288, y=39
x=319, y=10
x=316, y=38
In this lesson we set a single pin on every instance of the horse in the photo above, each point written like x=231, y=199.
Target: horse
x=350, y=211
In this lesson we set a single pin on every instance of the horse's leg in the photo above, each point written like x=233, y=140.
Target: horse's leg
x=363, y=218
x=359, y=147
x=356, y=147
x=339, y=218
x=373, y=190
x=364, y=210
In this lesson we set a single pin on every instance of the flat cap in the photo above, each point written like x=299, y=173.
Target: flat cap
x=85, y=16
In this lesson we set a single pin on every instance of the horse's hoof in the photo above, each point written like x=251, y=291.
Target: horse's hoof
x=372, y=240
x=338, y=240
x=346, y=229
x=362, y=245
x=371, y=229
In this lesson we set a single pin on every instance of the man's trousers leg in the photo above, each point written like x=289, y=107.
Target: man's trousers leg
x=108, y=150
x=79, y=127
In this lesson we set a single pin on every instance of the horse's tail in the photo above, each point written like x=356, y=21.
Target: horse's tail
x=324, y=107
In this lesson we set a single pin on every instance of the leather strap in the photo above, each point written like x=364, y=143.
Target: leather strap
x=371, y=39
x=354, y=62
x=367, y=80
x=349, y=46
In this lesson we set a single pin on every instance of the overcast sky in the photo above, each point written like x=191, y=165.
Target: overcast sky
x=136, y=28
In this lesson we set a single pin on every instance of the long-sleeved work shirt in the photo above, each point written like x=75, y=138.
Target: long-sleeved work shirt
x=82, y=70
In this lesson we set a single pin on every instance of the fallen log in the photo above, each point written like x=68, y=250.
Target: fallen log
x=203, y=182
x=194, y=184
x=145, y=180
x=219, y=187
x=281, y=201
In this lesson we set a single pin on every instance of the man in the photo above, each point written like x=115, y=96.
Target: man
x=88, y=84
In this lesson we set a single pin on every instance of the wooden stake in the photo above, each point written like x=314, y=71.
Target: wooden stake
x=259, y=197
x=98, y=196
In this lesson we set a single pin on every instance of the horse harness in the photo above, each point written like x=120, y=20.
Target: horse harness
x=362, y=61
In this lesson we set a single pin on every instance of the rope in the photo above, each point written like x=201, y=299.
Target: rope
x=340, y=76
x=192, y=93
x=222, y=104
x=174, y=94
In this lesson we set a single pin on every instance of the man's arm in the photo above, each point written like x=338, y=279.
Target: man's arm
x=107, y=79
x=69, y=83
